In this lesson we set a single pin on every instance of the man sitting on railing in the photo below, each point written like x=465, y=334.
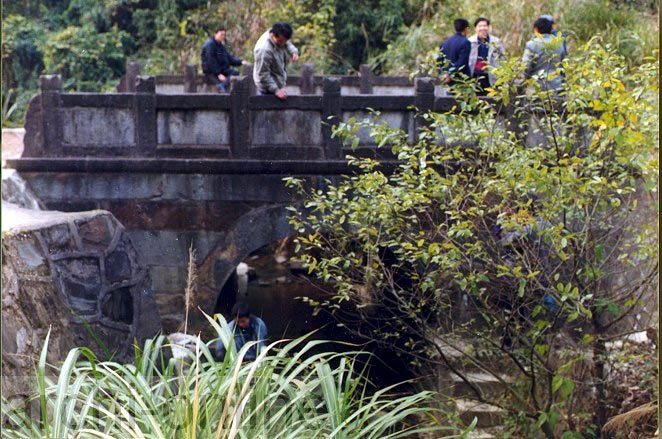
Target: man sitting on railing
x=217, y=62
x=272, y=52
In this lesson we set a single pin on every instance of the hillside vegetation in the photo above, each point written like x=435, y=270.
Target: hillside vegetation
x=88, y=42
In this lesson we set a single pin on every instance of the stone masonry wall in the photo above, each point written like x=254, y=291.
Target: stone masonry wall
x=77, y=274
x=164, y=214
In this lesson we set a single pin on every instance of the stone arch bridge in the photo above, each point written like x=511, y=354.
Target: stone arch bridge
x=182, y=169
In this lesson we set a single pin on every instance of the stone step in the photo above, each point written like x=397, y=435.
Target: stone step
x=453, y=348
x=487, y=383
x=458, y=351
x=487, y=415
x=485, y=433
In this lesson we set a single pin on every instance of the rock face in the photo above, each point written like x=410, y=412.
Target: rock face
x=77, y=274
x=16, y=191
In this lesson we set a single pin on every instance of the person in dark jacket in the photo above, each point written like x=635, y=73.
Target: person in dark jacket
x=245, y=328
x=217, y=62
x=454, y=56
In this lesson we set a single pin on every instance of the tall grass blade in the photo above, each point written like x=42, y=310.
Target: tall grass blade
x=41, y=382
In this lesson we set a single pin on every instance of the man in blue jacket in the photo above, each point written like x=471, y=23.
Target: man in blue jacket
x=246, y=328
x=454, y=56
x=217, y=62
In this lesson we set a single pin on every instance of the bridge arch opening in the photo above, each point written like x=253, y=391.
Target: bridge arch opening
x=262, y=239
x=277, y=290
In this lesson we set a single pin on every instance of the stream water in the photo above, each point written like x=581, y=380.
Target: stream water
x=275, y=293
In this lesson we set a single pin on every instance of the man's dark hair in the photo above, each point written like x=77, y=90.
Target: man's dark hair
x=281, y=28
x=219, y=28
x=479, y=19
x=460, y=24
x=543, y=25
x=241, y=309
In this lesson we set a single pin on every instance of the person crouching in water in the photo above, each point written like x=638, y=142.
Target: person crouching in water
x=246, y=328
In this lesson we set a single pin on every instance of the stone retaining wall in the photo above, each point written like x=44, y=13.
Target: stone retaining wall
x=77, y=274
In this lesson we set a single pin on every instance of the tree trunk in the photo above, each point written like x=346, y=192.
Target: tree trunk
x=600, y=415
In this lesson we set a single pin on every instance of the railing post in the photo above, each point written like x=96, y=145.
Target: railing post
x=331, y=115
x=144, y=111
x=365, y=74
x=128, y=82
x=191, y=78
x=307, y=86
x=248, y=71
x=423, y=101
x=239, y=115
x=51, y=104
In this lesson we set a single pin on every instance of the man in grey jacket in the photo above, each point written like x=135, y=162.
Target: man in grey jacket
x=543, y=56
x=486, y=51
x=271, y=54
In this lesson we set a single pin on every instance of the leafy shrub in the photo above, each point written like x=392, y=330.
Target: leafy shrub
x=14, y=105
x=22, y=51
x=521, y=243
x=86, y=60
x=630, y=31
x=145, y=26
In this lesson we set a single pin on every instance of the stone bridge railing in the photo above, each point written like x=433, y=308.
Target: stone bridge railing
x=307, y=83
x=237, y=126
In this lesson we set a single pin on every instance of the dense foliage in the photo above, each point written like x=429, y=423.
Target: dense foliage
x=89, y=41
x=287, y=392
x=526, y=248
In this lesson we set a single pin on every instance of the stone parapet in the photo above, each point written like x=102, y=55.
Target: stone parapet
x=142, y=123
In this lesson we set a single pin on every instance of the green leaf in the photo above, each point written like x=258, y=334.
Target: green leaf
x=557, y=381
x=553, y=417
x=599, y=253
x=614, y=309
x=565, y=385
x=567, y=388
x=41, y=382
x=541, y=349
